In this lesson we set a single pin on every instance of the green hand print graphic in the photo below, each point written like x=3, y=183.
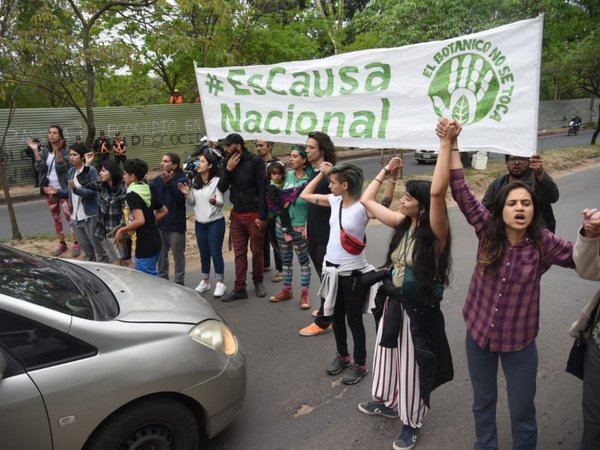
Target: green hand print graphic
x=464, y=88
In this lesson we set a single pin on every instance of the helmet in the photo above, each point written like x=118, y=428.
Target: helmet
x=204, y=140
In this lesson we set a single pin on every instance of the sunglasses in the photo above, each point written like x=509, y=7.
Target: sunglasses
x=518, y=158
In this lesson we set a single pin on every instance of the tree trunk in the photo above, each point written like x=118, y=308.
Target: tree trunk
x=597, y=132
x=16, y=234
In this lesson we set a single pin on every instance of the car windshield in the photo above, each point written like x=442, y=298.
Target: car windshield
x=55, y=284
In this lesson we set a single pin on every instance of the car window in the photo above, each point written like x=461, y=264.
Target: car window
x=55, y=284
x=35, y=345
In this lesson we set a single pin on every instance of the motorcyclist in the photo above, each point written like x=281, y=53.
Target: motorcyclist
x=574, y=124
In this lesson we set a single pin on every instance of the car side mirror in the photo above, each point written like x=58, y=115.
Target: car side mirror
x=2, y=365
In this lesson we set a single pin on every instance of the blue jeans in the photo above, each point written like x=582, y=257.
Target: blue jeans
x=209, y=237
x=591, y=398
x=520, y=369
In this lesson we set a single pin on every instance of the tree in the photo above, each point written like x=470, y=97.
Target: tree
x=58, y=47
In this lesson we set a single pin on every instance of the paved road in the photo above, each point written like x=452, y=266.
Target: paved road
x=292, y=404
x=33, y=217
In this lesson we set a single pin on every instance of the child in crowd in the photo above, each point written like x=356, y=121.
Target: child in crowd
x=143, y=210
x=279, y=199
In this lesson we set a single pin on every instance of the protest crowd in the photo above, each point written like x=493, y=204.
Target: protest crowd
x=316, y=209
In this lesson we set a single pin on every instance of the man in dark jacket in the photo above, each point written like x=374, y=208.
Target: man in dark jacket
x=529, y=171
x=244, y=175
x=172, y=227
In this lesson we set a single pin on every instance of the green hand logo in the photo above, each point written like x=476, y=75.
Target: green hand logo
x=464, y=89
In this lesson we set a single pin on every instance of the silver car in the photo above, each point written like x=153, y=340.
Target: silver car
x=100, y=357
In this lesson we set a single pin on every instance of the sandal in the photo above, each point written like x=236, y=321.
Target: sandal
x=277, y=277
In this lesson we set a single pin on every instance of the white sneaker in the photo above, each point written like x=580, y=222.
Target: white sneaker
x=203, y=286
x=220, y=289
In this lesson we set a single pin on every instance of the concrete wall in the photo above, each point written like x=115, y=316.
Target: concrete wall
x=556, y=114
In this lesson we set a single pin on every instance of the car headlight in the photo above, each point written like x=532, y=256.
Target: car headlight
x=216, y=335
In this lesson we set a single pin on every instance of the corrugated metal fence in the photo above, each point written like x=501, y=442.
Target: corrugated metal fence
x=150, y=131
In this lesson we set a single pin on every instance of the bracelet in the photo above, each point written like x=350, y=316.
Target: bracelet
x=378, y=180
x=387, y=171
x=455, y=150
x=391, y=181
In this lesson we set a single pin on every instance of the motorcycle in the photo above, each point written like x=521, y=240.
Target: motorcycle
x=574, y=126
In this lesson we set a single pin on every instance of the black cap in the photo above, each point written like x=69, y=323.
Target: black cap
x=101, y=132
x=117, y=133
x=77, y=138
x=233, y=138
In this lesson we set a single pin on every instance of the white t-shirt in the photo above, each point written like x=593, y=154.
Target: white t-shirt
x=52, y=176
x=354, y=221
x=78, y=213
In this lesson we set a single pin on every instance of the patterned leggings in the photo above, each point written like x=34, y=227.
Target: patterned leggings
x=56, y=205
x=300, y=246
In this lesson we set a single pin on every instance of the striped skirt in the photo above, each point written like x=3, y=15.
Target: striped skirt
x=396, y=375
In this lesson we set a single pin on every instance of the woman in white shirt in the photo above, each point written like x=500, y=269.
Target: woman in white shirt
x=345, y=262
x=207, y=201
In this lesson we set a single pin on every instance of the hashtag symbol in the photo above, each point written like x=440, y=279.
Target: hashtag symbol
x=214, y=85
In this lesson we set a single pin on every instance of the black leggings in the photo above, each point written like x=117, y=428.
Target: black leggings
x=349, y=303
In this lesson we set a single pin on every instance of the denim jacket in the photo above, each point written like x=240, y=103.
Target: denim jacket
x=89, y=197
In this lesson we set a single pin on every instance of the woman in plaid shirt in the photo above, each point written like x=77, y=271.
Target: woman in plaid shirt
x=502, y=308
x=112, y=191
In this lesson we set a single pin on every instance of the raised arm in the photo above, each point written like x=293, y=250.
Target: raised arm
x=438, y=216
x=308, y=192
x=369, y=198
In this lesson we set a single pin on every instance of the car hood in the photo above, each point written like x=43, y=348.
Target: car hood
x=145, y=298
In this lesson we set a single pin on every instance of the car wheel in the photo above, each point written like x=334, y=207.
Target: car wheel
x=158, y=424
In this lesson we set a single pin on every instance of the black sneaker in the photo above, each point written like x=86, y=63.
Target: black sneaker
x=235, y=295
x=377, y=409
x=259, y=290
x=339, y=364
x=354, y=374
x=407, y=438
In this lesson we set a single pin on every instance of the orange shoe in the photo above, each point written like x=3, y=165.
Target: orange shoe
x=285, y=294
x=313, y=330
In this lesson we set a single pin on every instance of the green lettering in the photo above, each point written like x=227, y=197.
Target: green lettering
x=385, y=114
x=272, y=73
x=312, y=119
x=341, y=121
x=319, y=91
x=383, y=76
x=347, y=79
x=300, y=87
x=234, y=120
x=235, y=83
x=253, y=83
x=290, y=119
x=362, y=127
x=270, y=116
x=252, y=123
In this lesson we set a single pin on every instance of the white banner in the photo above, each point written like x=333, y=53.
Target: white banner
x=389, y=98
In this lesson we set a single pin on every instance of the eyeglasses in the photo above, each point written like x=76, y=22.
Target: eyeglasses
x=514, y=159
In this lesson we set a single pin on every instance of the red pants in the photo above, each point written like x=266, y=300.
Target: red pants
x=242, y=231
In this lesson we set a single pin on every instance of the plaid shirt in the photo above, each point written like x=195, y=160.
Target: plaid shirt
x=112, y=203
x=502, y=310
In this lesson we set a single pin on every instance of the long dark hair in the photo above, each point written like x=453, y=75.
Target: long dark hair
x=495, y=231
x=61, y=134
x=427, y=265
x=213, y=160
x=116, y=174
x=325, y=146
